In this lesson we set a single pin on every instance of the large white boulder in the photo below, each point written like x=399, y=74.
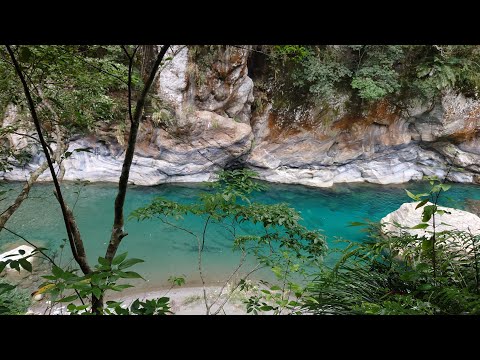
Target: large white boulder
x=456, y=225
x=408, y=216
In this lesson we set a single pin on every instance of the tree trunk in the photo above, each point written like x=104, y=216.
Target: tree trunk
x=117, y=231
x=75, y=241
x=81, y=260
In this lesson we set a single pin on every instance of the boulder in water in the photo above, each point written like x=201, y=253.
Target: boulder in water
x=453, y=220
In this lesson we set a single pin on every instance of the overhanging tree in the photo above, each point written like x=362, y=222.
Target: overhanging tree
x=118, y=233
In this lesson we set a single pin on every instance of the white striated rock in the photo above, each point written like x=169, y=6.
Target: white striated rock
x=212, y=141
x=227, y=89
x=172, y=79
x=394, y=167
x=11, y=118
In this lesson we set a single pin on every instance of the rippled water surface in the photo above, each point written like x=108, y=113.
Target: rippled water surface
x=168, y=251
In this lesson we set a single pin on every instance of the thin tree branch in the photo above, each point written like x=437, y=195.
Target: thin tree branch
x=130, y=66
x=31, y=244
x=205, y=231
x=257, y=267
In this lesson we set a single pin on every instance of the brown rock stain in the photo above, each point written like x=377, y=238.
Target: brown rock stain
x=283, y=125
x=382, y=113
x=471, y=129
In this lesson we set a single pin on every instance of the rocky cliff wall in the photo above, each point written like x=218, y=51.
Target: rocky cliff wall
x=202, y=120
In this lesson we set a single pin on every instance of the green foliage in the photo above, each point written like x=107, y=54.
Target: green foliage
x=323, y=72
x=280, y=243
x=374, y=72
x=296, y=53
x=13, y=301
x=229, y=202
x=65, y=286
x=177, y=280
x=437, y=273
x=158, y=306
x=451, y=66
x=375, y=76
x=76, y=81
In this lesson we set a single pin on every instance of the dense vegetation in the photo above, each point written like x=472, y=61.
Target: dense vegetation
x=369, y=73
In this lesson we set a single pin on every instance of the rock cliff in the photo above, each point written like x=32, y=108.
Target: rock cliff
x=207, y=115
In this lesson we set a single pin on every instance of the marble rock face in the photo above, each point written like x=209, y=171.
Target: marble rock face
x=211, y=126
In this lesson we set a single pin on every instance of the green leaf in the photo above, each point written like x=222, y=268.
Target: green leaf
x=129, y=275
x=419, y=226
x=135, y=305
x=119, y=258
x=422, y=267
x=177, y=280
x=428, y=211
x=56, y=271
x=102, y=261
x=425, y=287
x=266, y=308
x=120, y=287
x=3, y=264
x=96, y=292
x=24, y=54
x=275, y=287
x=71, y=307
x=410, y=276
x=423, y=71
x=412, y=196
x=356, y=223
x=25, y=264
x=130, y=262
x=69, y=299
x=15, y=265
x=427, y=245
x=421, y=203
x=445, y=187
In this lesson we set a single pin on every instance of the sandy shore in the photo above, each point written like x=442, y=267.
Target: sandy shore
x=190, y=300
x=183, y=301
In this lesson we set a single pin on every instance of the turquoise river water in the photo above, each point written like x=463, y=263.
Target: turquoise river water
x=168, y=251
